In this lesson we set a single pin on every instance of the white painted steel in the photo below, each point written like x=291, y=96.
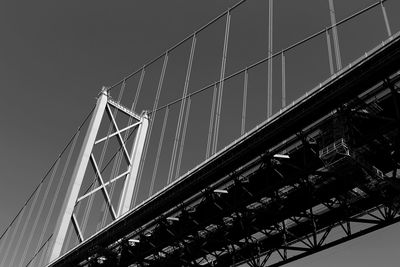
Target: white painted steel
x=117, y=132
x=121, y=140
x=102, y=186
x=136, y=155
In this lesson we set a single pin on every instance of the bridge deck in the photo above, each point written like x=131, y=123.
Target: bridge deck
x=247, y=200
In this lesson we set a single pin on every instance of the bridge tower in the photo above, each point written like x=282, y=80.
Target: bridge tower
x=138, y=126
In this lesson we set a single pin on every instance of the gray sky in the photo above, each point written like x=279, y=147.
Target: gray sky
x=55, y=56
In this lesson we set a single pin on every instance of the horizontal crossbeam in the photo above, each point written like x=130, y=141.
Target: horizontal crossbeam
x=102, y=186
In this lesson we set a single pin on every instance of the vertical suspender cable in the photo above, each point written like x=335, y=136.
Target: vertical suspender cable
x=21, y=214
x=139, y=88
x=38, y=251
x=221, y=82
x=246, y=78
x=330, y=56
x=88, y=207
x=160, y=144
x=270, y=48
x=211, y=126
x=39, y=213
x=178, y=165
x=42, y=181
x=103, y=211
x=4, y=241
x=385, y=17
x=335, y=35
x=46, y=252
x=181, y=111
x=60, y=182
x=283, y=80
x=148, y=136
x=22, y=210
x=27, y=219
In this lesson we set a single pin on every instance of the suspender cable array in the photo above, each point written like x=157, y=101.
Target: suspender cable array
x=38, y=215
x=160, y=144
x=38, y=251
x=16, y=227
x=25, y=246
x=152, y=119
x=181, y=111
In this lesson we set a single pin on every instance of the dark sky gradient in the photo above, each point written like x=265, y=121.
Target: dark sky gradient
x=55, y=57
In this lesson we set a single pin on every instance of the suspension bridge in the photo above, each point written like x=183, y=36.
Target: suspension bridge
x=279, y=157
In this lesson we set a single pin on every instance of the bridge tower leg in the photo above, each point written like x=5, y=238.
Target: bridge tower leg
x=77, y=177
x=129, y=185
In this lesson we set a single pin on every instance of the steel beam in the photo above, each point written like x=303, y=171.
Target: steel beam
x=136, y=156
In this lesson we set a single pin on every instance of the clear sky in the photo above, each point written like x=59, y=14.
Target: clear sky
x=56, y=56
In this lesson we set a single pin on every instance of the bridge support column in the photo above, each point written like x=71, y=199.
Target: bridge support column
x=137, y=149
x=77, y=177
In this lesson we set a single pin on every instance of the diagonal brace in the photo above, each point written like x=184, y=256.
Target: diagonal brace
x=119, y=135
x=117, y=132
x=100, y=178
